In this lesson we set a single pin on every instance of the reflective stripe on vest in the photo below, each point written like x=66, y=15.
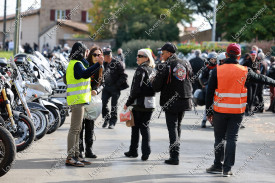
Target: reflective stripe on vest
x=231, y=105
x=231, y=93
x=78, y=90
x=78, y=84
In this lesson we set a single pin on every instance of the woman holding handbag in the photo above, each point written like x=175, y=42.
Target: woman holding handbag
x=142, y=98
x=97, y=85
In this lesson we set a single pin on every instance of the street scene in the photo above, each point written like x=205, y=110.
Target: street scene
x=137, y=91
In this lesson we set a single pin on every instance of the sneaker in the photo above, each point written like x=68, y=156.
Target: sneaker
x=111, y=127
x=82, y=160
x=203, y=124
x=172, y=161
x=214, y=170
x=104, y=124
x=74, y=162
x=145, y=157
x=227, y=174
x=131, y=154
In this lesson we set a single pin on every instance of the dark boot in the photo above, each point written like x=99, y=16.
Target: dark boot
x=174, y=157
x=89, y=139
x=89, y=154
x=131, y=154
x=172, y=161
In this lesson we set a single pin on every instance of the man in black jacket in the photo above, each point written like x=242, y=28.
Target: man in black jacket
x=251, y=87
x=115, y=81
x=229, y=106
x=197, y=65
x=173, y=81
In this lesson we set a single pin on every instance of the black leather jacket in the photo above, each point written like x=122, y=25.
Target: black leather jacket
x=141, y=88
x=175, y=94
x=114, y=74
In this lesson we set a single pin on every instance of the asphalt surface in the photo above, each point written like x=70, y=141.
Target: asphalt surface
x=255, y=158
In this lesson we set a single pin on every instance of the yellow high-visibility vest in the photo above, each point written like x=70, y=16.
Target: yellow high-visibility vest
x=78, y=90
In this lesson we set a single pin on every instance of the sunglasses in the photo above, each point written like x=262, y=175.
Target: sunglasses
x=96, y=55
x=141, y=56
x=163, y=52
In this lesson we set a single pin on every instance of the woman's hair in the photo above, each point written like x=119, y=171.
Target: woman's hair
x=91, y=62
x=272, y=59
x=78, y=51
x=149, y=55
x=90, y=56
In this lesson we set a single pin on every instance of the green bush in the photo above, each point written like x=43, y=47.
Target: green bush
x=131, y=48
x=185, y=49
x=6, y=54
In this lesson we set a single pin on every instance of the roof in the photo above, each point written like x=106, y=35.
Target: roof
x=23, y=14
x=73, y=24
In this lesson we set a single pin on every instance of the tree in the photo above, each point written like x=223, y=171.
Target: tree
x=246, y=20
x=203, y=8
x=138, y=19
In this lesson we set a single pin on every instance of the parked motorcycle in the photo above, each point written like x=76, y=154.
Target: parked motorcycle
x=20, y=126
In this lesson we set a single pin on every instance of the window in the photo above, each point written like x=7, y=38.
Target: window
x=88, y=18
x=60, y=14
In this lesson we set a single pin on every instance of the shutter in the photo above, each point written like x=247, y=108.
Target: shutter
x=83, y=17
x=68, y=17
x=52, y=18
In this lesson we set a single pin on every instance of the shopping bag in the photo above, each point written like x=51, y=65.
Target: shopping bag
x=93, y=110
x=125, y=115
x=130, y=122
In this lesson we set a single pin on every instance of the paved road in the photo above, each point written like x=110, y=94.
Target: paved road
x=255, y=160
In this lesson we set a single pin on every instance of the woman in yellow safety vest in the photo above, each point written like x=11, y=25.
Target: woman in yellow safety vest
x=78, y=94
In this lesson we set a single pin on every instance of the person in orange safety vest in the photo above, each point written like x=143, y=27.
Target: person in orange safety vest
x=226, y=100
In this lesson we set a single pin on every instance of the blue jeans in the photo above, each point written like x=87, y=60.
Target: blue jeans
x=226, y=128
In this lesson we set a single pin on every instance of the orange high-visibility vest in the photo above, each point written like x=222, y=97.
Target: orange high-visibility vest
x=231, y=94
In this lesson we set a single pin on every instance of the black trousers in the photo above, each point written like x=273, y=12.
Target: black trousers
x=259, y=94
x=141, y=120
x=107, y=93
x=251, y=93
x=173, y=122
x=88, y=126
x=226, y=128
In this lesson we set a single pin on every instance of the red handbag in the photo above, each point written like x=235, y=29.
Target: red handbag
x=125, y=115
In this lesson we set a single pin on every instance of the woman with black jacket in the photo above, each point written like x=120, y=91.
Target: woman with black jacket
x=97, y=85
x=142, y=98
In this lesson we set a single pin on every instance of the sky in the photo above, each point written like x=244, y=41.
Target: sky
x=11, y=4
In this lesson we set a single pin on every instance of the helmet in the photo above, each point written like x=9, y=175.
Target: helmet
x=221, y=56
x=199, y=97
x=204, y=55
x=212, y=55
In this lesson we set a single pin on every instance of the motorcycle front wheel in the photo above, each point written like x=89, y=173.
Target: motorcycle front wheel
x=54, y=119
x=40, y=121
x=7, y=151
x=25, y=133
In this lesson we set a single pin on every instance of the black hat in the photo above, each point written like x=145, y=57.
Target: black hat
x=107, y=51
x=170, y=47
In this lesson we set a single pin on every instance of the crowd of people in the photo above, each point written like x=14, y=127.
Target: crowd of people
x=227, y=96
x=255, y=60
